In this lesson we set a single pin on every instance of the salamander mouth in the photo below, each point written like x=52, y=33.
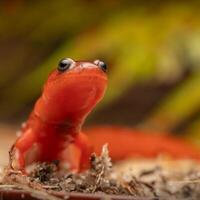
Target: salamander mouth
x=97, y=81
x=88, y=73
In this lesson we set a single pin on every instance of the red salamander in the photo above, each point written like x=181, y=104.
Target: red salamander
x=53, y=129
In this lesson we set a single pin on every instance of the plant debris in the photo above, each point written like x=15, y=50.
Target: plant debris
x=156, y=183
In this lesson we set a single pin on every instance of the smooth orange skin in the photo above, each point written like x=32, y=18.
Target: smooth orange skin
x=126, y=143
x=53, y=130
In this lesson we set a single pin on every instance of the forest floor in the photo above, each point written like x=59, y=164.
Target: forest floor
x=160, y=178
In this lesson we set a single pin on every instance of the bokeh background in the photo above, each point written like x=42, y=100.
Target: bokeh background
x=152, y=49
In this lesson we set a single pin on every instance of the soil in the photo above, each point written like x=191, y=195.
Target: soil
x=47, y=181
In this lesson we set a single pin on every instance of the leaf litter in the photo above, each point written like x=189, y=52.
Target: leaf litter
x=157, y=182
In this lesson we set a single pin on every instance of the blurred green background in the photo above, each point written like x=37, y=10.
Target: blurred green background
x=152, y=49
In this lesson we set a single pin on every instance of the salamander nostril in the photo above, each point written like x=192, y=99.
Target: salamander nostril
x=101, y=64
x=65, y=64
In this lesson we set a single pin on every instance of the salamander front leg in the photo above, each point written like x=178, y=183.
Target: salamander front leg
x=25, y=151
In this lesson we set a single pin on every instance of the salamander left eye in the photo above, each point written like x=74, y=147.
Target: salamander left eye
x=101, y=64
x=65, y=64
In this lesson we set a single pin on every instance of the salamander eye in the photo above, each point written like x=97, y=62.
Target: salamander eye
x=65, y=64
x=101, y=64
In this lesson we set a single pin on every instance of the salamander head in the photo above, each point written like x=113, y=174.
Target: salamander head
x=72, y=91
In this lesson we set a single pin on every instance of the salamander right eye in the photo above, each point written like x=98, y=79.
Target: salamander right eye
x=101, y=64
x=65, y=64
